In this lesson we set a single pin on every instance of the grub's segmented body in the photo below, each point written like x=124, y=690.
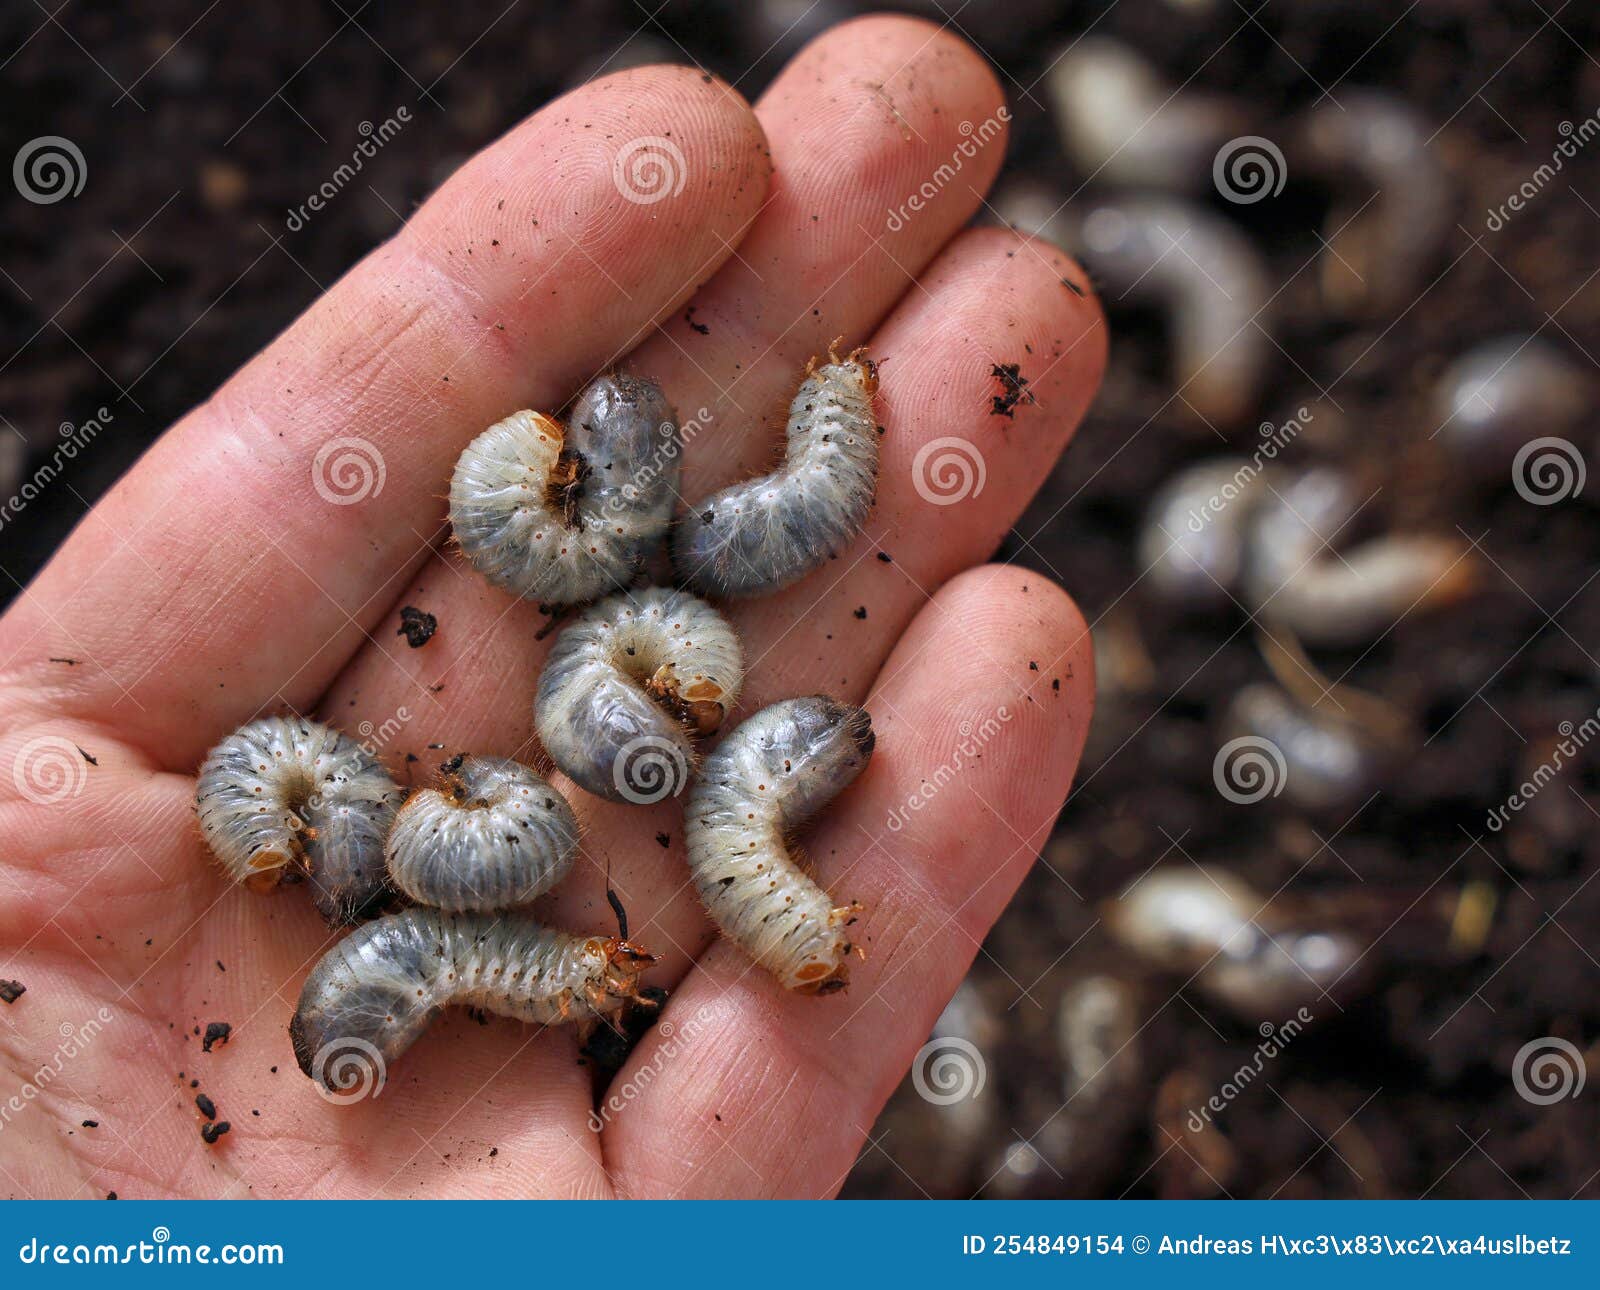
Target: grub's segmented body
x=375, y=992
x=284, y=795
x=771, y=775
x=562, y=515
x=627, y=686
x=769, y=532
x=493, y=837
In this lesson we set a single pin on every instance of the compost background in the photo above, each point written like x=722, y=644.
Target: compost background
x=203, y=128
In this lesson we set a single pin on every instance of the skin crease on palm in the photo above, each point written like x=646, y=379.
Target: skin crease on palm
x=214, y=584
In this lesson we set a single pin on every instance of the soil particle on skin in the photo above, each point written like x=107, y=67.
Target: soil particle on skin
x=860, y=611
x=217, y=1032
x=212, y=1130
x=417, y=626
x=208, y=1108
x=111, y=1195
x=11, y=991
x=91, y=1124
x=664, y=839
x=1014, y=389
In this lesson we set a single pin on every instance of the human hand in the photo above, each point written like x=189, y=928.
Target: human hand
x=238, y=570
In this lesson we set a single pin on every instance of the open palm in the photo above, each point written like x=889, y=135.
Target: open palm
x=257, y=558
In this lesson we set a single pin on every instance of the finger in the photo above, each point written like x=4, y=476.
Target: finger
x=767, y=1093
x=856, y=123
x=263, y=535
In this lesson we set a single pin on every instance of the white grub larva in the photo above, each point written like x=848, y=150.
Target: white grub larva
x=1330, y=763
x=1207, y=278
x=627, y=686
x=286, y=796
x=765, y=780
x=1384, y=228
x=1503, y=393
x=371, y=995
x=1204, y=922
x=1191, y=545
x=562, y=515
x=769, y=532
x=1295, y=578
x=494, y=836
x=1123, y=126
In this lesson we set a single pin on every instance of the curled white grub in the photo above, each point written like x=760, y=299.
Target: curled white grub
x=1330, y=762
x=1504, y=393
x=1296, y=576
x=286, y=796
x=1202, y=921
x=494, y=835
x=761, y=785
x=1208, y=280
x=1191, y=545
x=628, y=686
x=562, y=514
x=1393, y=201
x=767, y=533
x=1122, y=125
x=372, y=995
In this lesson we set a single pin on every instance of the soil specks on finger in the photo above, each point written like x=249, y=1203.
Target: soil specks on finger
x=417, y=626
x=1014, y=389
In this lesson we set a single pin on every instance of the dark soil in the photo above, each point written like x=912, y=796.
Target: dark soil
x=178, y=260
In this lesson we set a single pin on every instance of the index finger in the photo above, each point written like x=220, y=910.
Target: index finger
x=260, y=538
